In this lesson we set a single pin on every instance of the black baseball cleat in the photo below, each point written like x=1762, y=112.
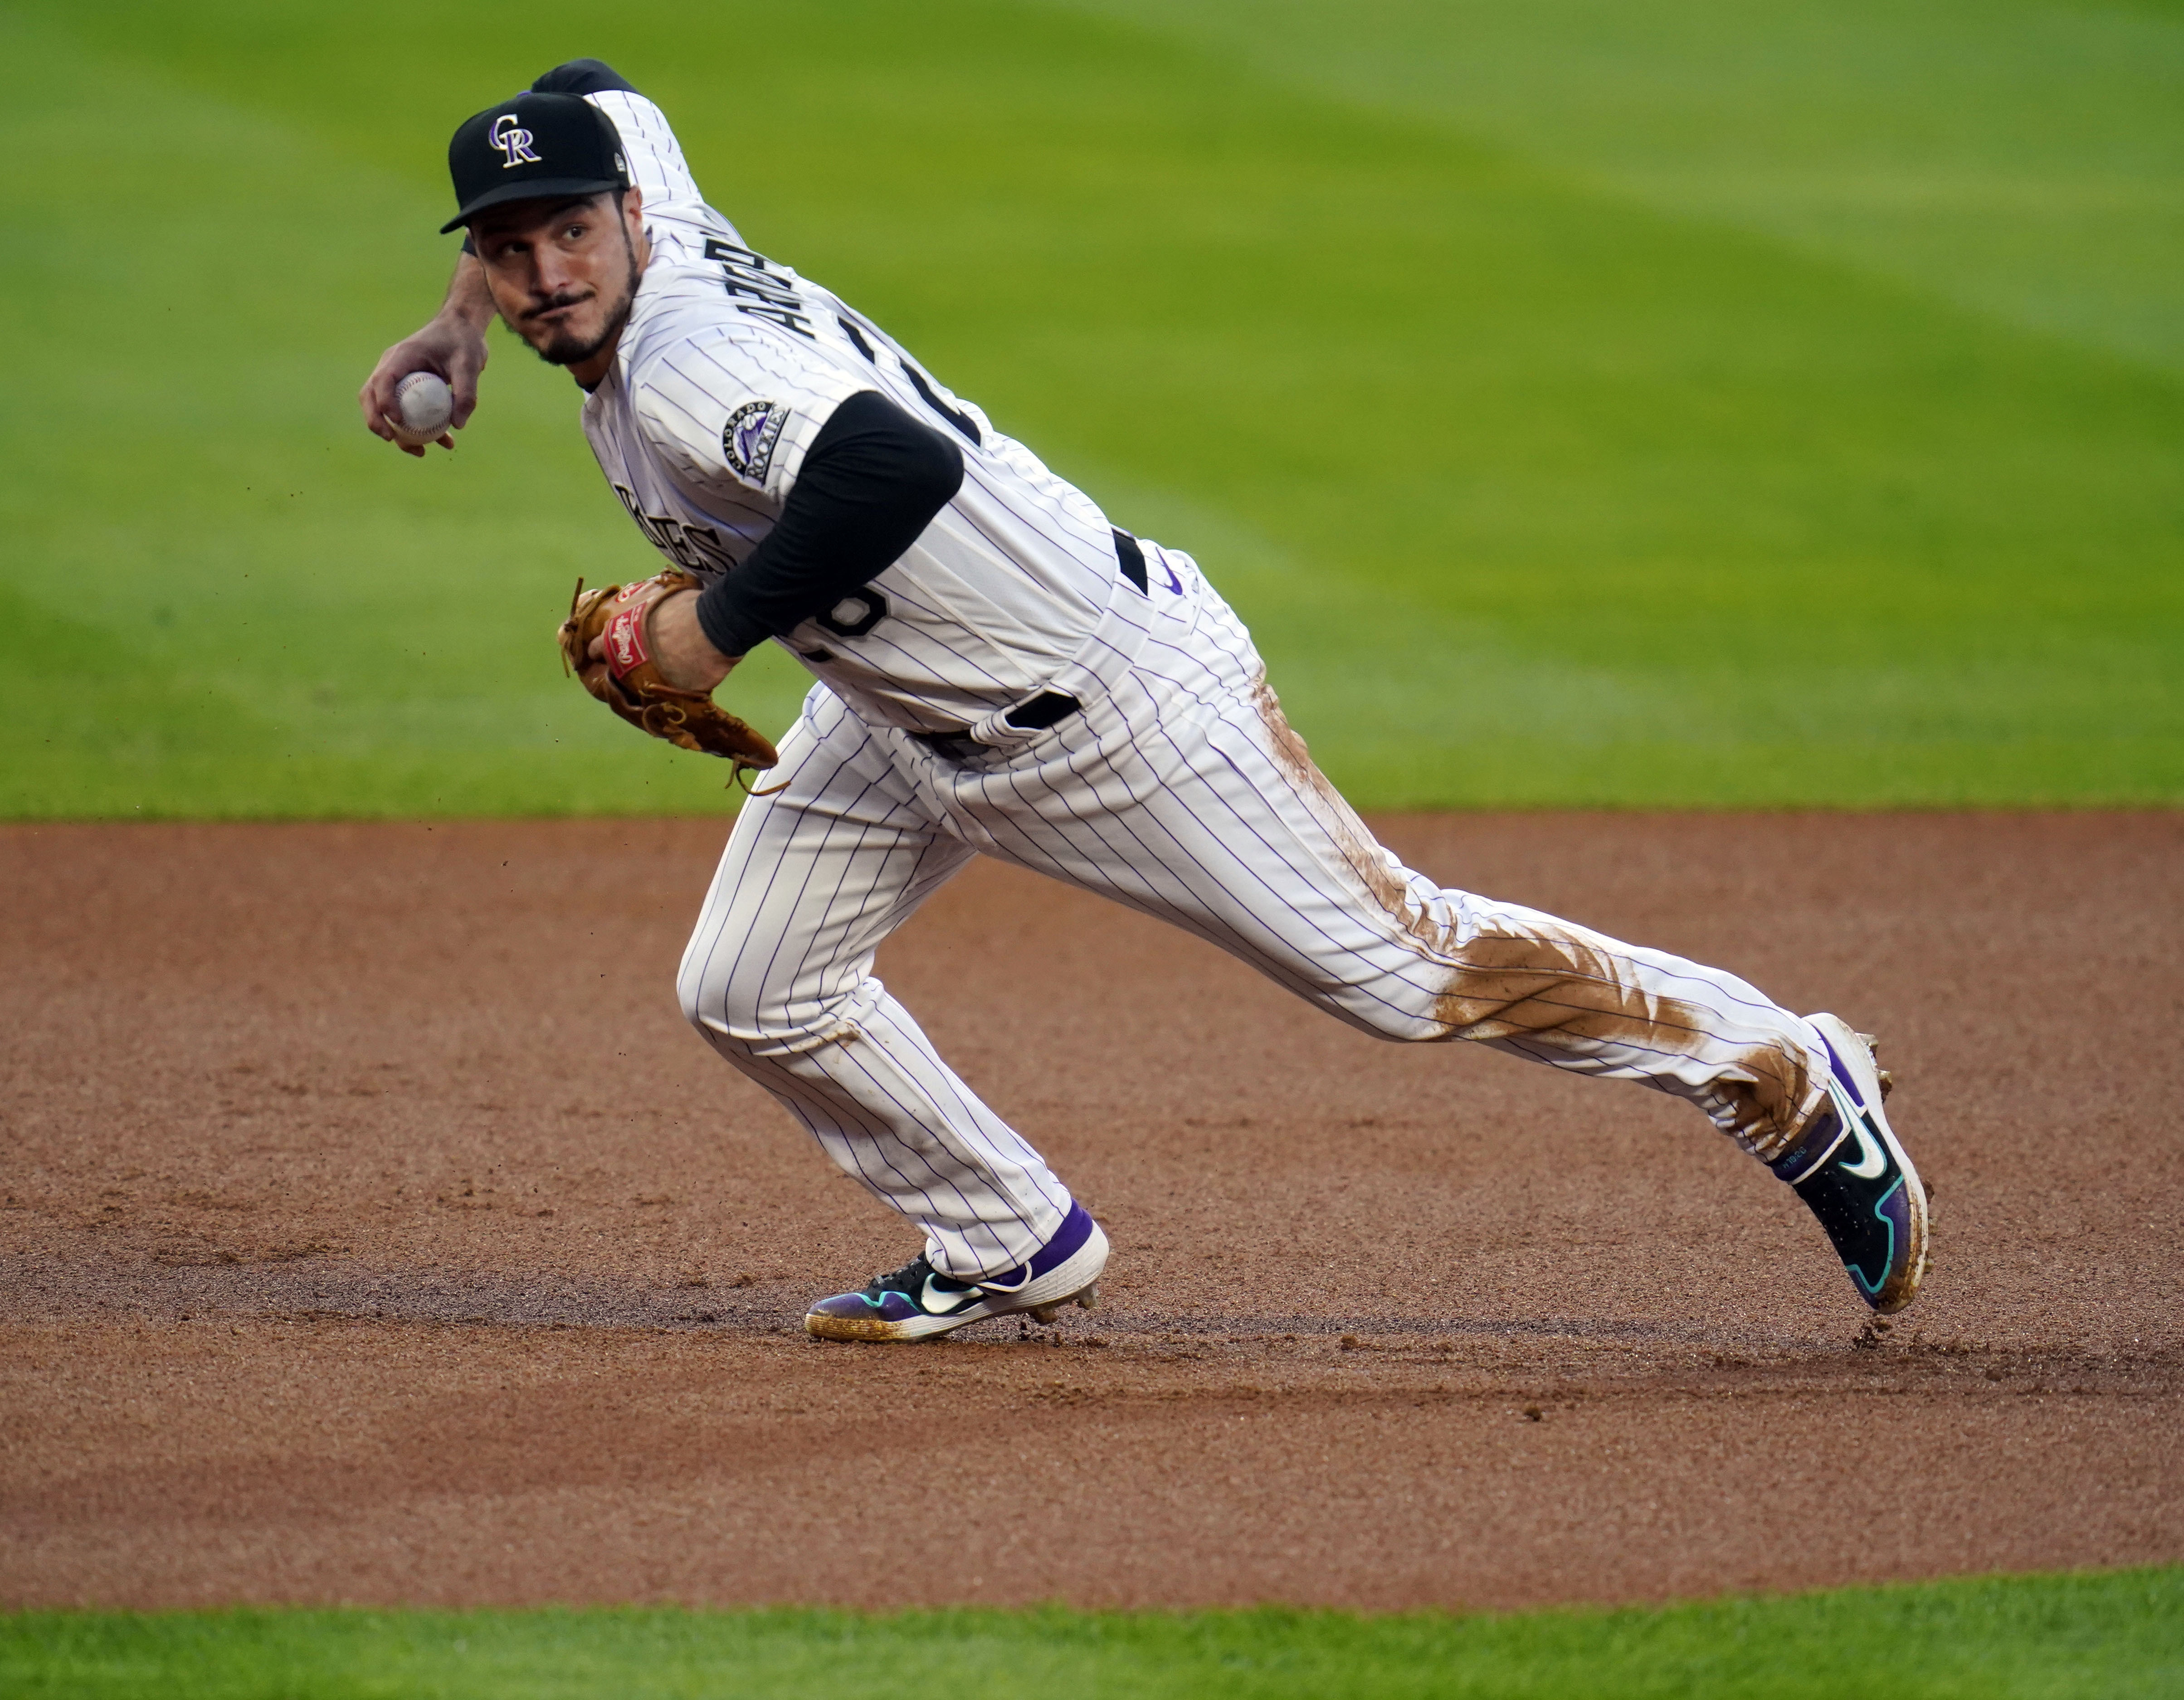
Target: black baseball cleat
x=916, y=1303
x=1848, y=1167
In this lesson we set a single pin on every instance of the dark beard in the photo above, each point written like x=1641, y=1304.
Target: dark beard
x=564, y=351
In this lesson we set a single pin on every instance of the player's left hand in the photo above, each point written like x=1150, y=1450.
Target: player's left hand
x=639, y=650
x=680, y=650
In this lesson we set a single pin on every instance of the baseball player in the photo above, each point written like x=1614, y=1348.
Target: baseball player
x=1001, y=671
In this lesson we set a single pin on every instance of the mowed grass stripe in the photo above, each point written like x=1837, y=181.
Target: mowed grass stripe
x=1533, y=495
x=2117, y=1633
x=2024, y=158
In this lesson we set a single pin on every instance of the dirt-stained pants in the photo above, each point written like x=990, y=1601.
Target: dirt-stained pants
x=1182, y=792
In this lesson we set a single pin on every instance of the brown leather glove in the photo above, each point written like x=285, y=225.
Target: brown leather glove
x=628, y=682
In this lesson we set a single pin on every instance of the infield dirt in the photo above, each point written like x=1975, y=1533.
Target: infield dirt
x=375, y=1230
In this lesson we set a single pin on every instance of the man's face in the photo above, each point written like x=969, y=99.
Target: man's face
x=563, y=272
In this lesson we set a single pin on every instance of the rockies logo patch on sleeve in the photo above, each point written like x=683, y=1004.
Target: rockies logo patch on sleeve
x=748, y=438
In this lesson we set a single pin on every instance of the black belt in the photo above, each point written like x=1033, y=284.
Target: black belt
x=1131, y=559
x=1048, y=708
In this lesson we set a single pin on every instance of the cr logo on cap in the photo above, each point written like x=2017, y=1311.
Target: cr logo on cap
x=510, y=136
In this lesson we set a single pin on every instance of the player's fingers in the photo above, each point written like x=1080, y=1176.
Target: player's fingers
x=378, y=388
x=445, y=441
x=375, y=411
x=376, y=397
x=463, y=385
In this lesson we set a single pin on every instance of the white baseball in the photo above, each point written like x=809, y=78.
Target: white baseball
x=423, y=406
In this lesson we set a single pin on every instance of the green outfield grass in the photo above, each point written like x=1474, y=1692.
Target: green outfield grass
x=1678, y=402
x=2110, y=1635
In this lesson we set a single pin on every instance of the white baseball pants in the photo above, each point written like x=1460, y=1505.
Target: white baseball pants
x=1181, y=792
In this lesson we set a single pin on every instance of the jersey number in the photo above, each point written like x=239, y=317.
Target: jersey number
x=965, y=427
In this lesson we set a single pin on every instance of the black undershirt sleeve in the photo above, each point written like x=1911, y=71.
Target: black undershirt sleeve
x=872, y=481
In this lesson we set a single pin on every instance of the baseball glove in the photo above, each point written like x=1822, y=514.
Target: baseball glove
x=628, y=680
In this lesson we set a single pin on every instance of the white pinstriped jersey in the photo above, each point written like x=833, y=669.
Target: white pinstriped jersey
x=729, y=367
x=1176, y=786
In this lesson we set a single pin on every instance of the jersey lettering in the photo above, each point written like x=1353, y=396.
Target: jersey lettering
x=772, y=297
x=695, y=548
x=780, y=316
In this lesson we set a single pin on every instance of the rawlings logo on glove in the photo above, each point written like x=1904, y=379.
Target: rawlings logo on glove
x=628, y=681
x=625, y=640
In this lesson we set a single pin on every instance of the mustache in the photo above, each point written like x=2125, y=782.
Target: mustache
x=552, y=303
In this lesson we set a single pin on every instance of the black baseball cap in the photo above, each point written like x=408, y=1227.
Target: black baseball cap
x=534, y=146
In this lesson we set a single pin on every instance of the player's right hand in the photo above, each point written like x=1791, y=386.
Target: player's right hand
x=451, y=346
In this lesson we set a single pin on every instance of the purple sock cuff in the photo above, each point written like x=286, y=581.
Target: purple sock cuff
x=1068, y=1240
x=1809, y=1150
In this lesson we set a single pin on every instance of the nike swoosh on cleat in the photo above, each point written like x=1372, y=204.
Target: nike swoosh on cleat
x=937, y=1301
x=1872, y=1159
